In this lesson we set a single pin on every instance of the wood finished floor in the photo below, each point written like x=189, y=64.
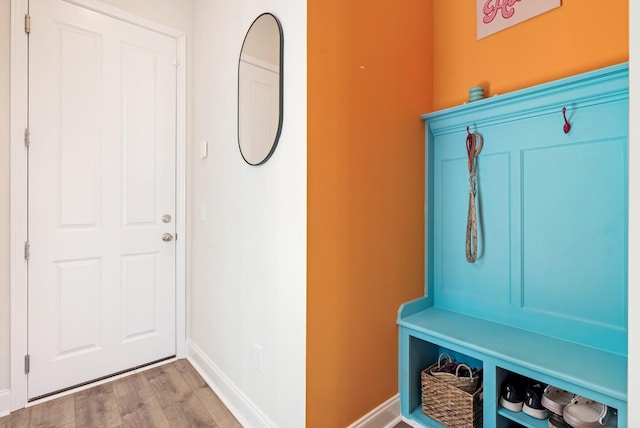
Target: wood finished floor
x=172, y=395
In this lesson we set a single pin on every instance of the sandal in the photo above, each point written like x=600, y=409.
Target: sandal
x=585, y=413
x=556, y=421
x=555, y=399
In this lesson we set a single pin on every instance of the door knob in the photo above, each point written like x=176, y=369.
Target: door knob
x=167, y=237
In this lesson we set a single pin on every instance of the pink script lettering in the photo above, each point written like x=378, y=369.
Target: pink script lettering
x=491, y=8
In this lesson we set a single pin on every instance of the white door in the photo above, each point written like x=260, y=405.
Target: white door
x=102, y=115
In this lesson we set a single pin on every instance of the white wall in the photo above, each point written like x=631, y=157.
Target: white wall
x=248, y=245
x=5, y=286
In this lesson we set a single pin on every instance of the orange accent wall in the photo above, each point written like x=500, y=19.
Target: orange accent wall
x=373, y=68
x=579, y=36
x=369, y=79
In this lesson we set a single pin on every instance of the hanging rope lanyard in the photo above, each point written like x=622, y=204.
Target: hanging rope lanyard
x=474, y=145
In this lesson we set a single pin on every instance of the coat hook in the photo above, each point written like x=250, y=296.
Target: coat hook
x=567, y=125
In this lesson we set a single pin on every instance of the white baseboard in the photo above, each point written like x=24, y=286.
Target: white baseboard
x=412, y=423
x=386, y=415
x=238, y=404
x=5, y=402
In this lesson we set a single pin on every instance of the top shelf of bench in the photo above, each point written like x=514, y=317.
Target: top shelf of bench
x=576, y=364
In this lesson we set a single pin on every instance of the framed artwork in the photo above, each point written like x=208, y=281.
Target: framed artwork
x=496, y=15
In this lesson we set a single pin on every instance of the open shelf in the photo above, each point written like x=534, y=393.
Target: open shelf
x=523, y=419
x=425, y=420
x=591, y=372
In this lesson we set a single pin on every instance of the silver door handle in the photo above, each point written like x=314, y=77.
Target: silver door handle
x=167, y=237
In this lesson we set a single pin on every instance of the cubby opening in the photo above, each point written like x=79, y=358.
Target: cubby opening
x=508, y=417
x=424, y=354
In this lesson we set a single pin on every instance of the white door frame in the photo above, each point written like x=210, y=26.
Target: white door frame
x=19, y=71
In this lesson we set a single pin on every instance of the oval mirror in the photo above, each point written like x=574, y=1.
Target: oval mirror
x=260, y=90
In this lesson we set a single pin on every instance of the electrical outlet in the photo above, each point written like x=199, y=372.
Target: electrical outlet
x=257, y=357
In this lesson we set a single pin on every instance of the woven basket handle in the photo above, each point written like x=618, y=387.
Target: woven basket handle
x=468, y=369
x=441, y=356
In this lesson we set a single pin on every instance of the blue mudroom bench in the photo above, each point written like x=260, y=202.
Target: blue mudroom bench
x=547, y=296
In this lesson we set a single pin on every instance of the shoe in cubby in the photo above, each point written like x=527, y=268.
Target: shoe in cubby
x=585, y=413
x=533, y=401
x=557, y=421
x=555, y=399
x=512, y=393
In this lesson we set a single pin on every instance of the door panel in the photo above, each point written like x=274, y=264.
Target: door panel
x=79, y=128
x=102, y=110
x=78, y=280
x=140, y=289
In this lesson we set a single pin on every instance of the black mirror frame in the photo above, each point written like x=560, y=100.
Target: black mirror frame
x=281, y=90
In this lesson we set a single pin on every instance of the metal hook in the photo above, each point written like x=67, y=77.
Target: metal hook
x=567, y=125
x=474, y=145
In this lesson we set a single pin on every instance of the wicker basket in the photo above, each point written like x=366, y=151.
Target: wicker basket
x=466, y=383
x=449, y=405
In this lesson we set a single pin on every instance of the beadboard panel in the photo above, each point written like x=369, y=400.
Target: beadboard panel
x=552, y=209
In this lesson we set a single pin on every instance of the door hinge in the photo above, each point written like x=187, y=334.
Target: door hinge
x=27, y=250
x=27, y=364
x=27, y=137
x=27, y=23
